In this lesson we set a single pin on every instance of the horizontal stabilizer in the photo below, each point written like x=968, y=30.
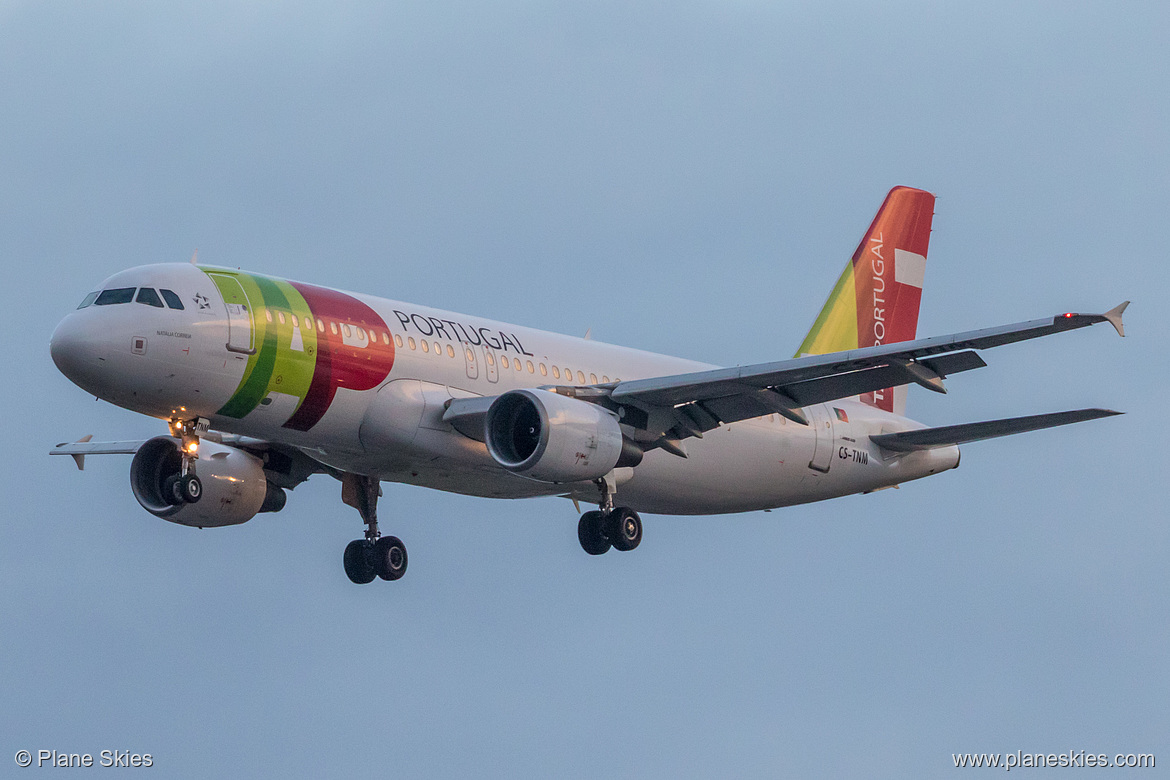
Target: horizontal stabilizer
x=929, y=438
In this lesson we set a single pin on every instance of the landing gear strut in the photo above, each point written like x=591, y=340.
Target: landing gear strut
x=375, y=555
x=610, y=526
x=185, y=487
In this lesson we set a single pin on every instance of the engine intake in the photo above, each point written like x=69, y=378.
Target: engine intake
x=552, y=438
x=235, y=488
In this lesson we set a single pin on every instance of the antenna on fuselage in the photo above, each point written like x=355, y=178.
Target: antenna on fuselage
x=195, y=257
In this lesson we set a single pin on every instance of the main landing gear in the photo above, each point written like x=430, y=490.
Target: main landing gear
x=376, y=555
x=610, y=526
x=185, y=487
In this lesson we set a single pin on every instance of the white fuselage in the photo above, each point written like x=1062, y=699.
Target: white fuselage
x=202, y=360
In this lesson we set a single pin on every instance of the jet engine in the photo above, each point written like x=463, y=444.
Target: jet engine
x=553, y=438
x=234, y=487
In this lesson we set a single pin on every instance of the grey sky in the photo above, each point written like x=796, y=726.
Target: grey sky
x=688, y=178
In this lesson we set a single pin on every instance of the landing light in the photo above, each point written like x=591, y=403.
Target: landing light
x=193, y=447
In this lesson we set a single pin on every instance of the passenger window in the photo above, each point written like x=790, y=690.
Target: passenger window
x=438, y=349
x=604, y=379
x=556, y=373
x=347, y=330
x=115, y=296
x=426, y=346
x=398, y=340
x=172, y=300
x=268, y=315
x=320, y=325
x=470, y=356
x=580, y=378
x=88, y=300
x=504, y=361
x=386, y=339
x=531, y=369
x=333, y=327
x=491, y=359
x=411, y=340
x=593, y=379
x=308, y=324
x=450, y=351
x=280, y=316
x=543, y=370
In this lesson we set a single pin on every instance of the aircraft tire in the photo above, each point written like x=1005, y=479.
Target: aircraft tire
x=191, y=488
x=389, y=558
x=358, y=564
x=624, y=529
x=172, y=492
x=590, y=536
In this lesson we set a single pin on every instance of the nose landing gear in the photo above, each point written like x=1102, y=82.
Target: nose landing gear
x=185, y=487
x=375, y=555
x=610, y=526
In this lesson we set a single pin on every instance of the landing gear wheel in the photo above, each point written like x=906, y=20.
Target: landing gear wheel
x=172, y=491
x=389, y=558
x=589, y=534
x=359, y=564
x=624, y=529
x=190, y=488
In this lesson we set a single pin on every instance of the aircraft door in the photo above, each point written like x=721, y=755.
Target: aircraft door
x=472, y=362
x=241, y=332
x=821, y=421
x=491, y=366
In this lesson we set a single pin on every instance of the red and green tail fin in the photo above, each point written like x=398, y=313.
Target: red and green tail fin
x=876, y=299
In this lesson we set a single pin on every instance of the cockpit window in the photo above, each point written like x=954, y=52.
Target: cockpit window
x=117, y=295
x=88, y=300
x=172, y=300
x=148, y=296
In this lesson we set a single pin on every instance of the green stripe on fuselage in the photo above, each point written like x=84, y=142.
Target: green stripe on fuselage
x=287, y=352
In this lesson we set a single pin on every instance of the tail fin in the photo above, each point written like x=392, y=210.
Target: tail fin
x=875, y=301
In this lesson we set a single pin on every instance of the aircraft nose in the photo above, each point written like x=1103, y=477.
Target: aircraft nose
x=72, y=349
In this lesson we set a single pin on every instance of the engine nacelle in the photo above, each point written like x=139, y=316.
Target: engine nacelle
x=234, y=486
x=553, y=438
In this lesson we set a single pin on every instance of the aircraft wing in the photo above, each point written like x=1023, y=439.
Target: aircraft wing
x=702, y=400
x=929, y=438
x=285, y=466
x=85, y=446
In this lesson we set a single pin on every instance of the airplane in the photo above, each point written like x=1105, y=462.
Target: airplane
x=264, y=381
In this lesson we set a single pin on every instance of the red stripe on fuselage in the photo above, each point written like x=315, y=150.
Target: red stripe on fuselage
x=339, y=364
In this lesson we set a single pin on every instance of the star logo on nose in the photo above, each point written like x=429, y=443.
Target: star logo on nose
x=202, y=301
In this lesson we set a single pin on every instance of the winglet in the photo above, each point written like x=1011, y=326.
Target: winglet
x=79, y=458
x=1113, y=317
